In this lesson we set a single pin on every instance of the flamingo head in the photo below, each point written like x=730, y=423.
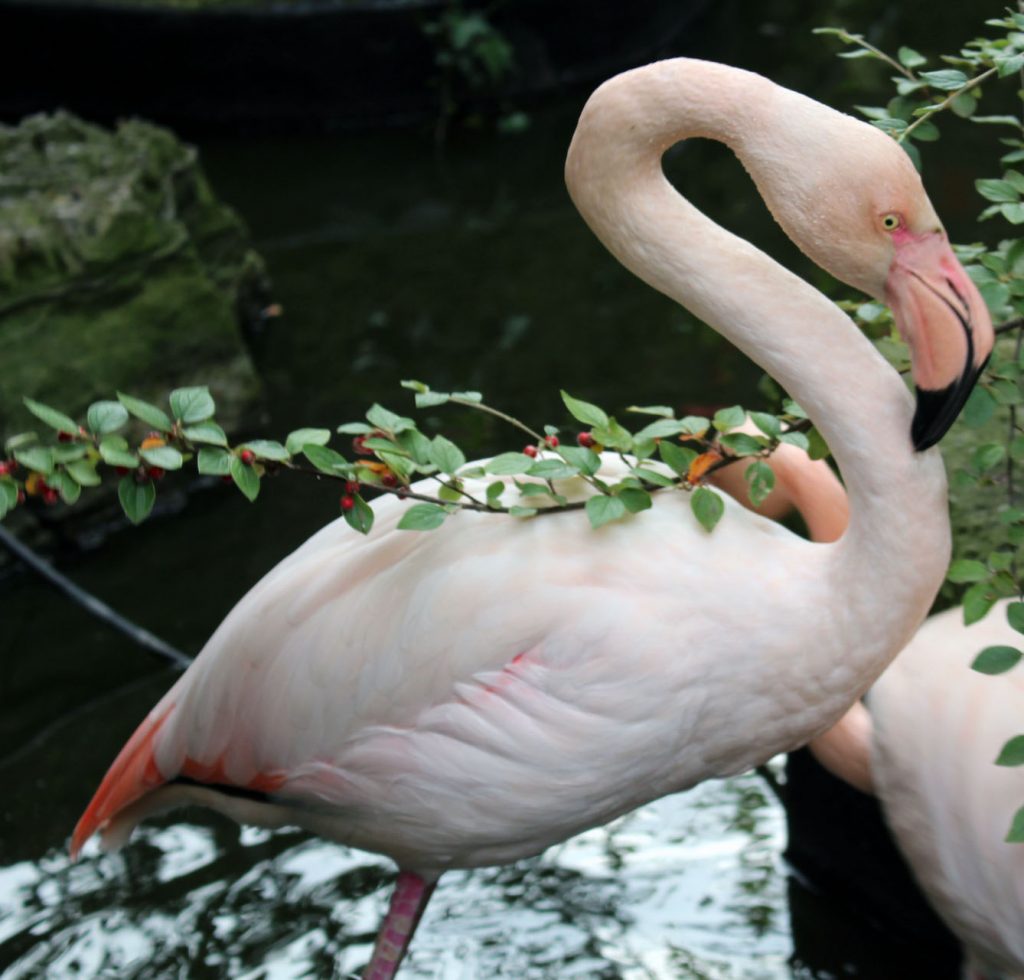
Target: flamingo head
x=856, y=206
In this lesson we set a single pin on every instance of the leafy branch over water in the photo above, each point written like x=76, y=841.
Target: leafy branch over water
x=390, y=454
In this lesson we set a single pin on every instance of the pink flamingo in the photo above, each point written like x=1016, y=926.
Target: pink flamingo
x=925, y=744
x=472, y=695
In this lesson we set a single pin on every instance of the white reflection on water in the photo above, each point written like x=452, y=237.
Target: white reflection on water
x=689, y=886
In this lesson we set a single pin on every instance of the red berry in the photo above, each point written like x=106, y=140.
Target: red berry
x=348, y=502
x=359, y=448
x=121, y=470
x=247, y=456
x=352, y=486
x=4, y=469
x=552, y=441
x=389, y=479
x=64, y=437
x=50, y=496
x=155, y=473
x=586, y=440
x=227, y=478
x=530, y=451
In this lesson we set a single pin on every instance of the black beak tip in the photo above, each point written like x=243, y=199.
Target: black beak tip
x=937, y=410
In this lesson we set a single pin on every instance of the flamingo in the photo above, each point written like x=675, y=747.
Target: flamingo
x=925, y=745
x=473, y=695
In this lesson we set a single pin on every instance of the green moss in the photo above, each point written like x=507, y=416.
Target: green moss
x=119, y=269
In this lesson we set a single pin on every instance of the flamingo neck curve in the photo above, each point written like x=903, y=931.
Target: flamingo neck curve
x=884, y=572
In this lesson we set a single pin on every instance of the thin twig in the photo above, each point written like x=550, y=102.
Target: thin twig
x=89, y=602
x=946, y=102
x=465, y=403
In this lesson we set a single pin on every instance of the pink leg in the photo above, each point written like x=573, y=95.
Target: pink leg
x=408, y=901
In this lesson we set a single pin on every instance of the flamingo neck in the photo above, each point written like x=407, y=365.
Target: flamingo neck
x=890, y=563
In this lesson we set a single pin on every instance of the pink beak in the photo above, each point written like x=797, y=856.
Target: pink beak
x=944, y=320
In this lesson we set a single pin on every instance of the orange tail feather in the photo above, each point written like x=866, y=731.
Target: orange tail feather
x=133, y=774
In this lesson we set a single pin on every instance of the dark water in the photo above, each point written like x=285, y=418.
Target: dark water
x=466, y=269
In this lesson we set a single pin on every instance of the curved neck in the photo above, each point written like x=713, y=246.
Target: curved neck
x=891, y=561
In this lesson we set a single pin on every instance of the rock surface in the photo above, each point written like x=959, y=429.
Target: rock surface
x=119, y=270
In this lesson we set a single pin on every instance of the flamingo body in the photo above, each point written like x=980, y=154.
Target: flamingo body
x=475, y=694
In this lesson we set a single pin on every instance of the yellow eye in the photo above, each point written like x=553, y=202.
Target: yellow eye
x=890, y=222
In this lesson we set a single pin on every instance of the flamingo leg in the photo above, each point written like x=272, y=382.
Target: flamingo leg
x=408, y=900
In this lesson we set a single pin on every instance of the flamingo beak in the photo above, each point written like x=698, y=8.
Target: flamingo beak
x=945, y=322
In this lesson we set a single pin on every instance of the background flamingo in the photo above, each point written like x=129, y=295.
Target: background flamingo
x=473, y=695
x=926, y=743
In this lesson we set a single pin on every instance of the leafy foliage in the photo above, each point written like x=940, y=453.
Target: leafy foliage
x=389, y=453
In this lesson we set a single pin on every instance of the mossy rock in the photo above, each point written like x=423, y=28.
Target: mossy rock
x=119, y=270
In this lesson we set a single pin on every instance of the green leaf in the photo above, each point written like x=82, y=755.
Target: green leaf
x=417, y=445
x=979, y=408
x=150, y=414
x=909, y=58
x=552, y=469
x=378, y=444
x=996, y=660
x=614, y=436
x=1012, y=753
x=707, y=507
x=445, y=455
x=583, y=411
x=662, y=410
x=38, y=458
x=509, y=464
x=999, y=191
x=306, y=437
x=967, y=570
x=1010, y=64
x=19, y=441
x=355, y=429
x=360, y=517
x=677, y=457
x=427, y=399
x=84, y=473
x=602, y=509
x=449, y=492
x=653, y=476
x=694, y=425
x=585, y=460
x=214, y=462
x=8, y=496
x=729, y=418
x=379, y=416
x=69, y=452
x=798, y=439
x=53, y=418
x=422, y=517
x=137, y=499
x=207, y=432
x=114, y=451
x=166, y=457
x=945, y=79
x=105, y=417
x=760, y=479
x=978, y=600
x=742, y=444
x=246, y=478
x=635, y=499
x=326, y=460
x=1015, y=616
x=768, y=424
x=661, y=429
x=191, y=405
x=522, y=511
x=1014, y=213
x=266, y=449
x=69, y=490
x=1015, y=835
x=817, y=447
x=494, y=492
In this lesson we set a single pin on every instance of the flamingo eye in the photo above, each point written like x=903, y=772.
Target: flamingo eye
x=890, y=222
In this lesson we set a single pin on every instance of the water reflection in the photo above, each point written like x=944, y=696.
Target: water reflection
x=685, y=887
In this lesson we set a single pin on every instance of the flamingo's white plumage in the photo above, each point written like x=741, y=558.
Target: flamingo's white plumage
x=926, y=745
x=474, y=694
